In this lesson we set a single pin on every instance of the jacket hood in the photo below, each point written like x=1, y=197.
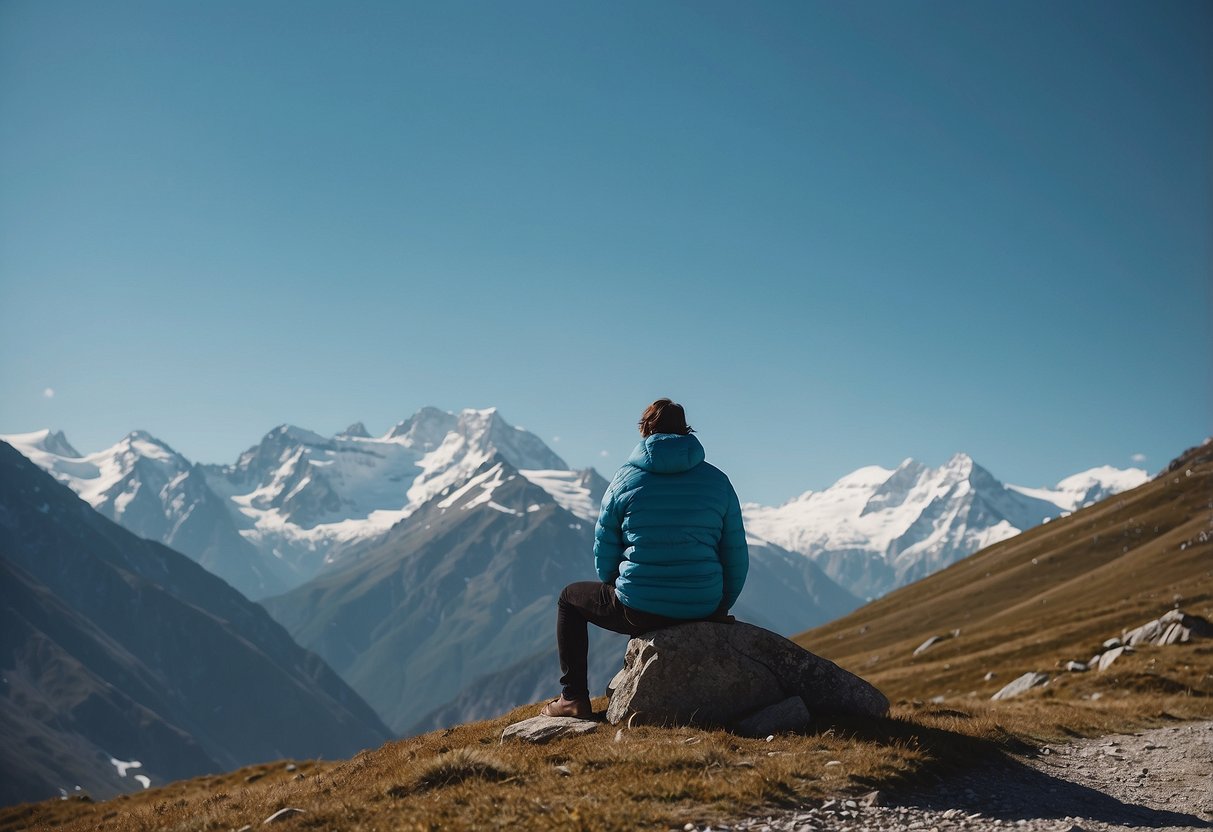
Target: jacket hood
x=667, y=453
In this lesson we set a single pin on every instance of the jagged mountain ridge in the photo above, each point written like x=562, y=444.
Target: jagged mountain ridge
x=424, y=620
x=877, y=529
x=153, y=491
x=292, y=504
x=298, y=503
x=116, y=646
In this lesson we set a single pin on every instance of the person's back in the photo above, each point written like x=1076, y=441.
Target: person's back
x=669, y=547
x=669, y=527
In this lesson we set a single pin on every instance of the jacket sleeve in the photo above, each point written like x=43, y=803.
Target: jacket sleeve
x=733, y=552
x=608, y=535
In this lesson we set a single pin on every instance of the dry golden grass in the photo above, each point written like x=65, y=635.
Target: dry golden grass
x=464, y=778
x=1030, y=603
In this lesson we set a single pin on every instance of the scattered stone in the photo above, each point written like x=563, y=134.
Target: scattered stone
x=1112, y=642
x=541, y=729
x=1105, y=661
x=990, y=676
x=788, y=715
x=291, y=766
x=927, y=645
x=1174, y=627
x=254, y=777
x=733, y=670
x=283, y=814
x=1077, y=667
x=1017, y=686
x=565, y=770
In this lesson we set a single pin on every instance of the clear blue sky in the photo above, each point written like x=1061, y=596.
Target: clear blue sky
x=840, y=233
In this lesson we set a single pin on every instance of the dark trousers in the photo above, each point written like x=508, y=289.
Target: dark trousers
x=593, y=602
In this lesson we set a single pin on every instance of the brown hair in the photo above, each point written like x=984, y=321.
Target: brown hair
x=664, y=416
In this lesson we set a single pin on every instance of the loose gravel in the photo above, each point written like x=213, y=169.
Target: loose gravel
x=1157, y=779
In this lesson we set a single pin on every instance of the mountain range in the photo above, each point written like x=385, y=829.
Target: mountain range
x=297, y=503
x=292, y=503
x=123, y=660
x=424, y=564
x=877, y=529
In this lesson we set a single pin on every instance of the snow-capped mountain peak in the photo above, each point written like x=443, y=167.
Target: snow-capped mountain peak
x=53, y=442
x=875, y=528
x=1086, y=487
x=305, y=495
x=425, y=430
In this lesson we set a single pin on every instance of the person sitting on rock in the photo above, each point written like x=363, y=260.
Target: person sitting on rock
x=669, y=548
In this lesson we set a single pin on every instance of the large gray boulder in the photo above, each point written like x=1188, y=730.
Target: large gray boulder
x=715, y=674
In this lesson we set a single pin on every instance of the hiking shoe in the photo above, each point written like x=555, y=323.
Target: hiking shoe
x=576, y=708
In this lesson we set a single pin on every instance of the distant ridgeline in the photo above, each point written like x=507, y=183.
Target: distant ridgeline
x=423, y=565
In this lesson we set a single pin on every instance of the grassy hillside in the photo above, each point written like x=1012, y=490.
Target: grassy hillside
x=1052, y=594
x=1109, y=567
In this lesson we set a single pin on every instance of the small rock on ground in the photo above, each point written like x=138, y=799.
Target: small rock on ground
x=541, y=729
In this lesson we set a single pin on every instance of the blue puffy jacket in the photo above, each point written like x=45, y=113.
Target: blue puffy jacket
x=669, y=535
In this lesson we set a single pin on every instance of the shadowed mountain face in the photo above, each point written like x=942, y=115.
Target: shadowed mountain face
x=149, y=489
x=452, y=615
x=115, y=647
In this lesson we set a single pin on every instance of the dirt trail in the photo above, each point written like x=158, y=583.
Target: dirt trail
x=1156, y=779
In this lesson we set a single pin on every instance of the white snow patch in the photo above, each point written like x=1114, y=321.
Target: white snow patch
x=124, y=765
x=567, y=490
